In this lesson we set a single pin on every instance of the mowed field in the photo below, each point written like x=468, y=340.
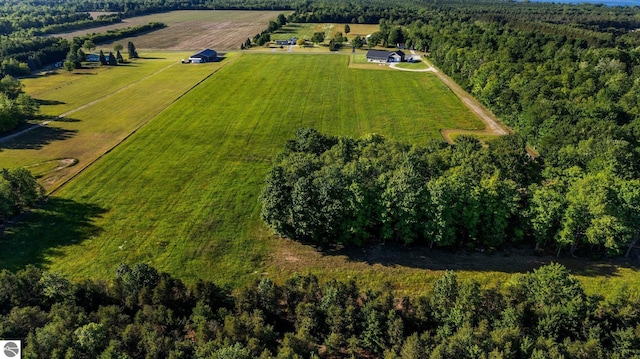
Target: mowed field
x=182, y=192
x=101, y=106
x=192, y=29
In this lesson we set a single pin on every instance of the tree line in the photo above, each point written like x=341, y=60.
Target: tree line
x=142, y=313
x=327, y=189
x=102, y=20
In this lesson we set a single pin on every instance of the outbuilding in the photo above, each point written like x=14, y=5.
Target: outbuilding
x=378, y=56
x=206, y=55
x=385, y=56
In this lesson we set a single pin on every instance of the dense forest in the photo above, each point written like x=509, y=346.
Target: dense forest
x=146, y=314
x=565, y=77
x=325, y=189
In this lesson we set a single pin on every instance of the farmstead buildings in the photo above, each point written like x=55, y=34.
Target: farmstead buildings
x=385, y=56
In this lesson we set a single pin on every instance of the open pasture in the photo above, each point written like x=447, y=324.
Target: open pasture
x=192, y=29
x=101, y=106
x=181, y=193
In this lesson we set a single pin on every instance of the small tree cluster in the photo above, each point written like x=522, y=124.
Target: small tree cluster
x=318, y=37
x=15, y=105
x=18, y=191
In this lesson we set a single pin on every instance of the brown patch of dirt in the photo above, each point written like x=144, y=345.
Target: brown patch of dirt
x=50, y=177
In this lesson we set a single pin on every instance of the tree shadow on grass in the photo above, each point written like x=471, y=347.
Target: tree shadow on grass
x=38, y=138
x=62, y=119
x=40, y=234
x=512, y=260
x=49, y=102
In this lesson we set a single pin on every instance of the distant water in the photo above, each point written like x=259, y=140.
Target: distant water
x=604, y=2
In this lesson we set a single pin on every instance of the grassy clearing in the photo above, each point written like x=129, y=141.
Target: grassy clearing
x=193, y=29
x=181, y=193
x=302, y=31
x=361, y=30
x=306, y=30
x=110, y=104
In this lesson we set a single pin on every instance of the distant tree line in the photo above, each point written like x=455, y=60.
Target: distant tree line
x=116, y=34
x=78, y=25
x=326, y=189
x=142, y=313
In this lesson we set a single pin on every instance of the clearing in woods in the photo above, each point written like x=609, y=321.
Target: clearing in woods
x=181, y=193
x=192, y=29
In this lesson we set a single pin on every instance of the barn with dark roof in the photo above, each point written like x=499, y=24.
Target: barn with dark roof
x=206, y=55
x=385, y=56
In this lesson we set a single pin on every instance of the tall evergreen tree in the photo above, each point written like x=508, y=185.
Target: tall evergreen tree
x=111, y=60
x=119, y=57
x=103, y=59
x=131, y=48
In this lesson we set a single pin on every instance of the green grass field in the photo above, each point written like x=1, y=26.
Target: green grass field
x=109, y=103
x=182, y=192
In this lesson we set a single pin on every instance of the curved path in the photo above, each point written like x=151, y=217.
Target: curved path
x=492, y=124
x=394, y=65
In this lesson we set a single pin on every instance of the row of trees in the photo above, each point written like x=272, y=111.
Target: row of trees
x=146, y=314
x=76, y=55
x=117, y=34
x=22, y=55
x=102, y=20
x=325, y=189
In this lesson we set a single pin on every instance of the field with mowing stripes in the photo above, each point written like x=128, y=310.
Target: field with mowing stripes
x=181, y=193
x=101, y=106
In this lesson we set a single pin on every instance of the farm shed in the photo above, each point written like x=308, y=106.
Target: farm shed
x=377, y=56
x=206, y=55
x=385, y=56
